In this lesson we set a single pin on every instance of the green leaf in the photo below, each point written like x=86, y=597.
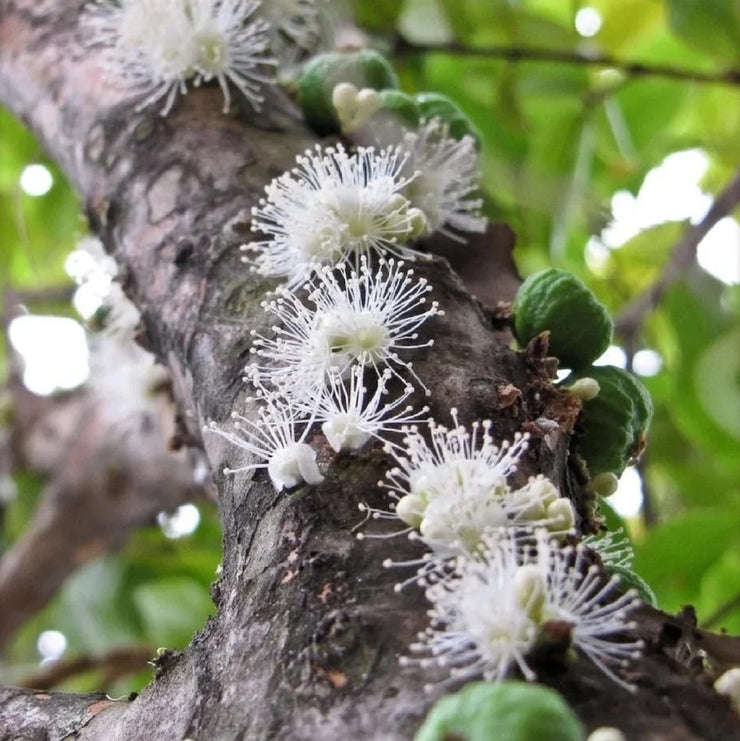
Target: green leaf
x=91, y=609
x=717, y=381
x=713, y=26
x=718, y=587
x=172, y=610
x=675, y=557
x=380, y=15
x=696, y=321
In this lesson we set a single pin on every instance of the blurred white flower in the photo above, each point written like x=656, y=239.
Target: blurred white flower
x=447, y=173
x=295, y=22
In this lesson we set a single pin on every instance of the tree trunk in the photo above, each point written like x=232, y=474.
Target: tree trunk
x=306, y=639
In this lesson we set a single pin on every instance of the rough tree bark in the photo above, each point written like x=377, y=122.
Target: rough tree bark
x=306, y=639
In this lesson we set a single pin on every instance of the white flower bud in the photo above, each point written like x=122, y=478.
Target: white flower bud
x=343, y=432
x=344, y=100
x=561, y=515
x=530, y=589
x=606, y=734
x=410, y=509
x=585, y=389
x=293, y=464
x=729, y=684
x=604, y=484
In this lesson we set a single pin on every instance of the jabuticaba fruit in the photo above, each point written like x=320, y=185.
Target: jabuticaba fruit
x=435, y=105
x=400, y=105
x=505, y=711
x=554, y=300
x=322, y=73
x=612, y=426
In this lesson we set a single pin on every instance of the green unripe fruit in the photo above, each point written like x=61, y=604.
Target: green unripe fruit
x=435, y=105
x=631, y=580
x=322, y=73
x=401, y=106
x=555, y=300
x=508, y=711
x=396, y=113
x=612, y=425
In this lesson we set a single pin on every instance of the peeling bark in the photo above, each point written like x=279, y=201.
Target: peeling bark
x=309, y=629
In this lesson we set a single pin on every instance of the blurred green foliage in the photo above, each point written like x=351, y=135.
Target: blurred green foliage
x=559, y=140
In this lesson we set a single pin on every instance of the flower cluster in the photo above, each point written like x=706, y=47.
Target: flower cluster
x=496, y=571
x=340, y=231
x=455, y=489
x=122, y=373
x=160, y=47
x=348, y=317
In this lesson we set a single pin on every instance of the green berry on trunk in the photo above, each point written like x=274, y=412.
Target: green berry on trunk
x=612, y=425
x=435, y=105
x=509, y=711
x=556, y=301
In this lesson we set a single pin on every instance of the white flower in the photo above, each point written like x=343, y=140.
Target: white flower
x=89, y=263
x=606, y=733
x=334, y=207
x=127, y=378
x=95, y=273
x=455, y=490
x=228, y=48
x=447, y=173
x=367, y=318
x=455, y=460
x=490, y=609
x=728, y=684
x=159, y=46
x=277, y=437
x=456, y=520
x=479, y=618
x=580, y=595
x=350, y=416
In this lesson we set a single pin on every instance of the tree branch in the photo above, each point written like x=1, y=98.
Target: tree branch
x=306, y=640
x=114, y=664
x=722, y=612
x=28, y=714
x=559, y=56
x=683, y=255
x=108, y=478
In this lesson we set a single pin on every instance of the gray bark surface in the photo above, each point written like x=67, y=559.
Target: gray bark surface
x=306, y=639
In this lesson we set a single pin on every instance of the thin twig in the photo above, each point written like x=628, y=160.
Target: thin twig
x=722, y=612
x=531, y=54
x=682, y=257
x=115, y=664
